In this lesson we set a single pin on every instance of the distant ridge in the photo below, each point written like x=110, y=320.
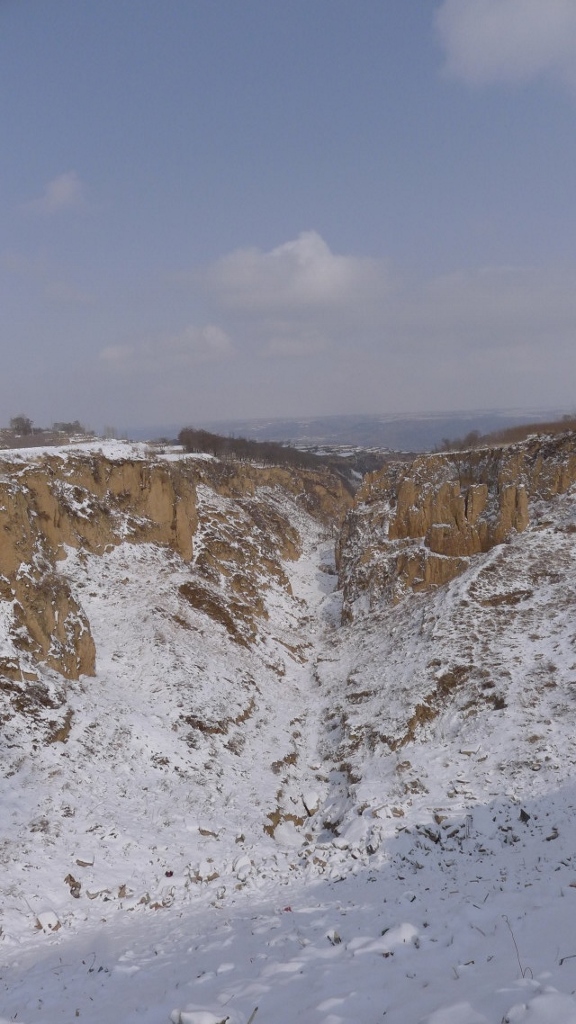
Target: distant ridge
x=400, y=432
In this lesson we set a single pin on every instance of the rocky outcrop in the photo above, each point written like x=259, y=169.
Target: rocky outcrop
x=86, y=502
x=417, y=525
x=225, y=520
x=90, y=502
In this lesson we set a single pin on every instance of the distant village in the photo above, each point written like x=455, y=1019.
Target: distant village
x=22, y=433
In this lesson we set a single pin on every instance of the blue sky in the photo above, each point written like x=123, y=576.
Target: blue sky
x=227, y=208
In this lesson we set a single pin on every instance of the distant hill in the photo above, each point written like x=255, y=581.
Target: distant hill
x=412, y=433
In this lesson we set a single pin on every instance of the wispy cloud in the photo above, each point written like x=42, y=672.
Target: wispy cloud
x=302, y=300
x=47, y=278
x=305, y=328
x=509, y=40
x=66, y=192
x=289, y=342
x=168, y=353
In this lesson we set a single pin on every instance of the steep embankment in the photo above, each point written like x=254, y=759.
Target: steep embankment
x=158, y=619
x=86, y=502
x=449, y=693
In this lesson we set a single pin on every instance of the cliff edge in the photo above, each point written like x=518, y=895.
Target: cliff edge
x=417, y=525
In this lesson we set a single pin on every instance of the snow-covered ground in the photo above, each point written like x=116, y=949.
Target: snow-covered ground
x=488, y=940
x=373, y=823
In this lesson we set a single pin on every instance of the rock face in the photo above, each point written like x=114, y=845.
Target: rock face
x=411, y=527
x=225, y=520
x=417, y=525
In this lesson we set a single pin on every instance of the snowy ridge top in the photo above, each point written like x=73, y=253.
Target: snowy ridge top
x=113, y=450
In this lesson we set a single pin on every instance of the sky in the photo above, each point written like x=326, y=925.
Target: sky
x=218, y=209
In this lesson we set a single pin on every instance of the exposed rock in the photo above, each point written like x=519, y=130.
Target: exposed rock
x=225, y=520
x=85, y=861
x=417, y=525
x=47, y=922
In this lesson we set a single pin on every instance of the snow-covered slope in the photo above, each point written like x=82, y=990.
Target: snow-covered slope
x=184, y=755
x=252, y=805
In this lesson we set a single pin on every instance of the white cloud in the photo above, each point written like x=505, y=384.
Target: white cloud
x=299, y=299
x=166, y=354
x=66, y=192
x=200, y=344
x=508, y=40
x=488, y=337
x=298, y=275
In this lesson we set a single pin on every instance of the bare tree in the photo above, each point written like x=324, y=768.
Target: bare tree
x=21, y=425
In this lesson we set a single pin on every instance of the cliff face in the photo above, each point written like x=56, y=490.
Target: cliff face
x=411, y=527
x=414, y=526
x=224, y=520
x=83, y=502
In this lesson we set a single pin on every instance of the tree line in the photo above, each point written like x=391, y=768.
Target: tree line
x=243, y=448
x=507, y=435
x=24, y=427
